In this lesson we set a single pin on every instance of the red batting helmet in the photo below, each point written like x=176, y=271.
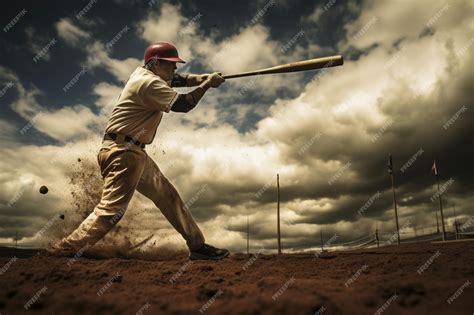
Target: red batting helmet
x=163, y=51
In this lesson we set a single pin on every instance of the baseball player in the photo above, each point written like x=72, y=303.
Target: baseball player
x=125, y=166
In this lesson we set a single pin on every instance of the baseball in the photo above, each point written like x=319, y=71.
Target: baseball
x=43, y=190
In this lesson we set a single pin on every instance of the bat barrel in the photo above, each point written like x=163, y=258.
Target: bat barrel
x=312, y=64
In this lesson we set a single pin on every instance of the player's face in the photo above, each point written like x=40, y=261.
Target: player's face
x=166, y=69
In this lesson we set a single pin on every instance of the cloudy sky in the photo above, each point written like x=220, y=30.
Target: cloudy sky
x=406, y=88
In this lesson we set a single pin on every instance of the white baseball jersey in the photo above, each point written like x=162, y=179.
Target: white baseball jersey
x=140, y=106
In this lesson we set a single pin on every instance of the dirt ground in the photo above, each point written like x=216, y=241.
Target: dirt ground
x=384, y=280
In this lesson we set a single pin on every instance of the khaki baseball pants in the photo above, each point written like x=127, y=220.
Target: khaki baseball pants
x=126, y=167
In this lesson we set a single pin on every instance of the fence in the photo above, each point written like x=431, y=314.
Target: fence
x=385, y=238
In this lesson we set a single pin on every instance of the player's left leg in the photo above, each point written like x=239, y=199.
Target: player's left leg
x=121, y=169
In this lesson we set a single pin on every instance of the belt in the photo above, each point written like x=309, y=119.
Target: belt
x=122, y=138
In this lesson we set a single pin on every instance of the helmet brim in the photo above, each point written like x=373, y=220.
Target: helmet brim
x=174, y=59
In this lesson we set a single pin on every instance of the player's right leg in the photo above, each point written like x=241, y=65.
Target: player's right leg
x=155, y=186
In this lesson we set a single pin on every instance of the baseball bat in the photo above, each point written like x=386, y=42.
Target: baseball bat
x=311, y=64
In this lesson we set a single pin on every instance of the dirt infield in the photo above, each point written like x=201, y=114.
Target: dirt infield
x=410, y=279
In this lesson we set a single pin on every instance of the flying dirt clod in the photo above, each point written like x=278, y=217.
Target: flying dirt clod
x=43, y=190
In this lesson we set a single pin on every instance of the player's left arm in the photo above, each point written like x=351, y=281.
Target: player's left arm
x=189, y=80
